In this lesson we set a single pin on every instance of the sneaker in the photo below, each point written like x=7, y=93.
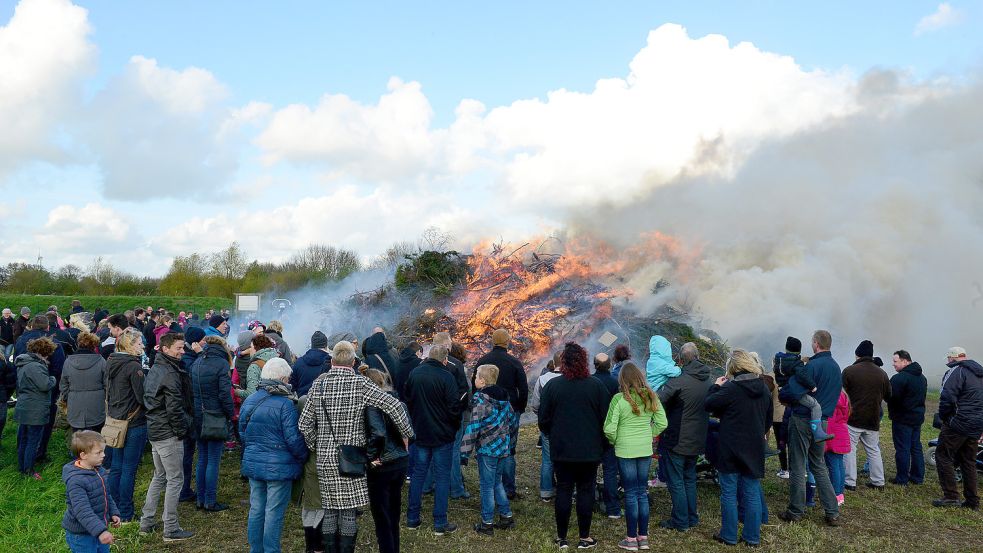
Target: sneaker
x=36, y=476
x=874, y=486
x=215, y=507
x=562, y=544
x=789, y=517
x=465, y=495
x=448, y=528
x=146, y=531
x=849, y=488
x=718, y=539
x=628, y=544
x=485, y=528
x=505, y=523
x=656, y=483
x=589, y=543
x=971, y=506
x=188, y=498
x=179, y=535
x=614, y=517
x=546, y=499
x=946, y=503
x=783, y=474
x=413, y=525
x=840, y=499
x=833, y=521
x=667, y=525
x=643, y=543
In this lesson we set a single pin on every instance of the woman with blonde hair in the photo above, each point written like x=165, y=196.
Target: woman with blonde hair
x=742, y=402
x=124, y=395
x=634, y=418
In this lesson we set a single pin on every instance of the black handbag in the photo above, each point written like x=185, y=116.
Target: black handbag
x=352, y=459
x=214, y=426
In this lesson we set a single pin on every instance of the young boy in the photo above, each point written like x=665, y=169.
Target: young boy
x=494, y=428
x=789, y=366
x=91, y=510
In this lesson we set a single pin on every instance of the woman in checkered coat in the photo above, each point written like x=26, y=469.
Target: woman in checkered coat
x=335, y=414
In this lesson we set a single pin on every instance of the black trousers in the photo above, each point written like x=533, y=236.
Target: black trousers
x=386, y=504
x=955, y=448
x=583, y=477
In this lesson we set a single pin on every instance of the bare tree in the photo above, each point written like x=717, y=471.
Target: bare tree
x=434, y=239
x=230, y=263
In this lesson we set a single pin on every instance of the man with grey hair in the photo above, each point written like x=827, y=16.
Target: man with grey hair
x=961, y=418
x=22, y=323
x=7, y=339
x=435, y=409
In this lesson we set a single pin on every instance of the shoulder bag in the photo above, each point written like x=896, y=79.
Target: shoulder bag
x=214, y=427
x=114, y=430
x=352, y=459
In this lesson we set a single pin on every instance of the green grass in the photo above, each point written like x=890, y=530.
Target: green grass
x=897, y=519
x=115, y=304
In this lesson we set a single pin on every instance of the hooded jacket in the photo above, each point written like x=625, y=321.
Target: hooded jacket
x=83, y=388
x=273, y=447
x=961, y=400
x=168, y=398
x=837, y=425
x=211, y=384
x=254, y=372
x=34, y=386
x=124, y=385
x=308, y=367
x=408, y=360
x=683, y=398
x=660, y=366
x=907, y=402
x=631, y=434
x=868, y=386
x=377, y=355
x=511, y=376
x=90, y=507
x=57, y=360
x=494, y=426
x=434, y=404
x=384, y=440
x=743, y=406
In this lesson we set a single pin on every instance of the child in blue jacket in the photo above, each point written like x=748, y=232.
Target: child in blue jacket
x=91, y=510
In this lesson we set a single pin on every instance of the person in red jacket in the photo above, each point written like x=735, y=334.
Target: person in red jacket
x=838, y=446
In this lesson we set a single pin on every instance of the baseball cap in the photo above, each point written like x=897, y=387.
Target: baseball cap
x=954, y=351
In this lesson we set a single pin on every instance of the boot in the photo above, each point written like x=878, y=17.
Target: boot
x=346, y=544
x=331, y=543
x=818, y=434
x=810, y=495
x=313, y=540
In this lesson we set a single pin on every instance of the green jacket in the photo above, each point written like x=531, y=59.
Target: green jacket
x=631, y=434
x=252, y=376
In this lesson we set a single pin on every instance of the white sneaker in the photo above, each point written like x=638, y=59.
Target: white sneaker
x=783, y=474
x=656, y=483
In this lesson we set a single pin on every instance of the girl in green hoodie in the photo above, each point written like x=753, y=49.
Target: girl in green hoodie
x=635, y=416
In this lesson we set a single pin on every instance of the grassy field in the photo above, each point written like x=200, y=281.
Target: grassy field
x=896, y=519
x=115, y=304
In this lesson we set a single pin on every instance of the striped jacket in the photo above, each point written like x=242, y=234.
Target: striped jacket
x=494, y=426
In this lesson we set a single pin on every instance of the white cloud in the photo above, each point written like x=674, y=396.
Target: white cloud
x=44, y=54
x=944, y=16
x=93, y=229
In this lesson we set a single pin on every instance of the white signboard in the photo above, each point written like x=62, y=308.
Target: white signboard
x=247, y=302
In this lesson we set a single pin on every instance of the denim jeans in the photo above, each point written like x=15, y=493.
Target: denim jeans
x=206, y=479
x=908, y=456
x=28, y=439
x=508, y=475
x=837, y=472
x=457, y=477
x=742, y=508
x=662, y=470
x=490, y=472
x=546, y=487
x=48, y=428
x=439, y=458
x=802, y=451
x=682, y=490
x=609, y=465
x=8, y=350
x=634, y=478
x=85, y=543
x=751, y=499
x=122, y=476
x=188, y=465
x=267, y=504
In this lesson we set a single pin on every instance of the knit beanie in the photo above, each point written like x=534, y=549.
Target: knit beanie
x=501, y=337
x=319, y=340
x=216, y=321
x=865, y=349
x=245, y=339
x=793, y=345
x=194, y=335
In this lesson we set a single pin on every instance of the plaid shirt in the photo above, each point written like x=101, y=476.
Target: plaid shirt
x=494, y=427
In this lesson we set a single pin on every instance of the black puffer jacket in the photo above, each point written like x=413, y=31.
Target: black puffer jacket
x=211, y=384
x=385, y=442
x=167, y=395
x=744, y=408
x=124, y=385
x=376, y=354
x=511, y=376
x=907, y=402
x=683, y=398
x=961, y=400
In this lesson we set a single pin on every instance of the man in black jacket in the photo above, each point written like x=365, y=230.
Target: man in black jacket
x=456, y=368
x=435, y=409
x=961, y=412
x=512, y=377
x=906, y=407
x=8, y=383
x=169, y=401
x=22, y=324
x=7, y=339
x=685, y=438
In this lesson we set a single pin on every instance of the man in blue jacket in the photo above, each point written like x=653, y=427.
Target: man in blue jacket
x=961, y=412
x=825, y=372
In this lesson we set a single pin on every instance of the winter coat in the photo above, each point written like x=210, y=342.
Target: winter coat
x=408, y=360
x=83, y=388
x=150, y=338
x=494, y=426
x=793, y=377
x=211, y=384
x=434, y=404
x=159, y=332
x=8, y=379
x=20, y=326
x=868, y=386
x=57, y=360
x=571, y=413
x=282, y=349
x=683, y=397
x=961, y=400
x=824, y=371
x=90, y=507
x=254, y=372
x=511, y=376
x=660, y=366
x=63, y=339
x=456, y=368
x=537, y=390
x=188, y=358
x=837, y=425
x=631, y=434
x=784, y=365
x=168, y=399
x=743, y=406
x=124, y=385
x=7, y=331
x=334, y=415
x=307, y=489
x=907, y=402
x=273, y=448
x=308, y=367
x=377, y=355
x=34, y=386
x=609, y=381
x=385, y=443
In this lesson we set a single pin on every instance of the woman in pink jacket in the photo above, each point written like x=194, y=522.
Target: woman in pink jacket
x=839, y=445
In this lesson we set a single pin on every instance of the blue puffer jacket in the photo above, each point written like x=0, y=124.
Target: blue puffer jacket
x=274, y=449
x=211, y=383
x=90, y=507
x=311, y=365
